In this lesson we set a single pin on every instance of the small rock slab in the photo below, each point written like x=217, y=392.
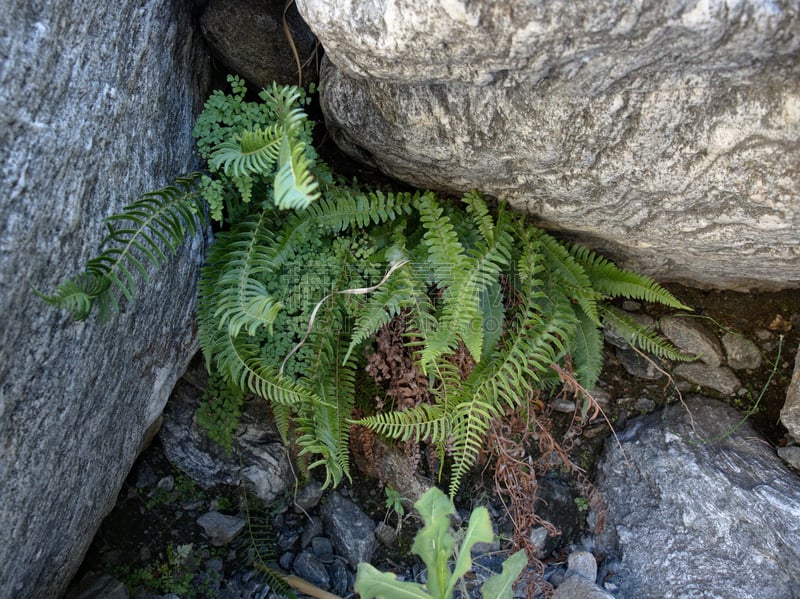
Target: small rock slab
x=264, y=465
x=742, y=353
x=685, y=517
x=717, y=378
x=221, y=529
x=689, y=335
x=350, y=529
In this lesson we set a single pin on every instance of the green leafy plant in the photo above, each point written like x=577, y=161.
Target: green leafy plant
x=436, y=545
x=309, y=270
x=168, y=574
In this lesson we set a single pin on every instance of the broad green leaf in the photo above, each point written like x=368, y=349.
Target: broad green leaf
x=479, y=530
x=371, y=583
x=434, y=544
x=501, y=586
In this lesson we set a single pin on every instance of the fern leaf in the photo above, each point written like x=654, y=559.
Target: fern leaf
x=342, y=208
x=249, y=153
x=237, y=299
x=569, y=274
x=156, y=222
x=295, y=185
x=613, y=281
x=403, y=291
x=587, y=351
x=237, y=359
x=470, y=422
x=479, y=212
x=261, y=542
x=639, y=336
x=77, y=295
x=467, y=280
x=423, y=422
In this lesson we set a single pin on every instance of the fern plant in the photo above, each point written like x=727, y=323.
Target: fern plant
x=309, y=270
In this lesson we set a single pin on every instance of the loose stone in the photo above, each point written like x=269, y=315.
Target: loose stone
x=689, y=335
x=742, y=353
x=221, y=529
x=717, y=378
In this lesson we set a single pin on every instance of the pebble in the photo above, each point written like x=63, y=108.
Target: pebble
x=636, y=365
x=350, y=529
x=583, y=563
x=308, y=496
x=385, y=534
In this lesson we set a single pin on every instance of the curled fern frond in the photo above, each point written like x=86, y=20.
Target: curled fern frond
x=230, y=290
x=77, y=295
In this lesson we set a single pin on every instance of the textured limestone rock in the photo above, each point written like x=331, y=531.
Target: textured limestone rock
x=248, y=38
x=97, y=103
x=665, y=133
x=685, y=517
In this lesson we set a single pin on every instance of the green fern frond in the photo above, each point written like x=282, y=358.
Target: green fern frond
x=220, y=410
x=77, y=295
x=295, y=185
x=403, y=291
x=613, y=281
x=237, y=359
x=479, y=213
x=569, y=275
x=261, y=544
x=423, y=422
x=285, y=102
x=468, y=278
x=446, y=255
x=587, y=351
x=639, y=336
x=235, y=297
x=143, y=233
x=470, y=421
x=341, y=209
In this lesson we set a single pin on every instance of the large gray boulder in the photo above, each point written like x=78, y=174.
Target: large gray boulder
x=665, y=133
x=97, y=103
x=699, y=506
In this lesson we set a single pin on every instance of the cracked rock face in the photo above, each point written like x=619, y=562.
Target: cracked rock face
x=664, y=133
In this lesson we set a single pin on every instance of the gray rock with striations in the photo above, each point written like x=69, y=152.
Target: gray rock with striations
x=685, y=518
x=351, y=531
x=97, y=103
x=665, y=133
